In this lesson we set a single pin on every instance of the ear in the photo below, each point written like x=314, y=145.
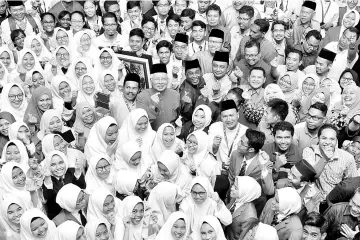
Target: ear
x=300, y=63
x=251, y=150
x=323, y=236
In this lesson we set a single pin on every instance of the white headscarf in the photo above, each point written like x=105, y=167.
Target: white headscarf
x=128, y=150
x=25, y=51
x=54, y=37
x=165, y=231
x=45, y=122
x=83, y=96
x=92, y=226
x=92, y=53
x=12, y=66
x=357, y=18
x=289, y=202
x=275, y=87
x=44, y=54
x=125, y=182
x=67, y=230
x=25, y=221
x=129, y=133
x=248, y=190
x=58, y=101
x=24, y=160
x=47, y=162
x=67, y=197
x=93, y=181
x=215, y=224
x=99, y=68
x=202, y=150
x=116, y=93
x=29, y=76
x=4, y=79
x=162, y=201
x=264, y=231
x=95, y=143
x=72, y=73
x=18, y=113
x=158, y=145
x=96, y=203
x=14, y=129
x=207, y=112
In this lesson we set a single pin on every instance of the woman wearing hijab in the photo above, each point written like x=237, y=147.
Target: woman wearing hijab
x=70, y=230
x=103, y=138
x=244, y=191
x=281, y=213
x=321, y=95
x=130, y=219
x=288, y=83
x=169, y=168
x=60, y=63
x=86, y=117
x=262, y=231
x=7, y=58
x=61, y=37
x=136, y=127
x=40, y=101
x=203, y=201
x=198, y=158
x=96, y=228
x=308, y=86
x=162, y=201
x=36, y=44
x=6, y=119
x=51, y=122
x=210, y=228
x=348, y=77
x=72, y=200
x=201, y=119
x=27, y=61
x=165, y=140
x=64, y=98
x=335, y=91
x=108, y=84
x=175, y=228
x=57, y=174
x=12, y=208
x=127, y=184
x=100, y=175
x=34, y=79
x=78, y=68
x=133, y=159
x=35, y=225
x=20, y=131
x=15, y=151
x=106, y=60
x=87, y=89
x=3, y=74
x=83, y=46
x=13, y=100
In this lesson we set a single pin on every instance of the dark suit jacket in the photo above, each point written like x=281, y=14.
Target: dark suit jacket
x=64, y=216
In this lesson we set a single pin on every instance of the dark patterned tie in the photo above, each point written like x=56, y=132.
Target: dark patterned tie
x=243, y=169
x=146, y=46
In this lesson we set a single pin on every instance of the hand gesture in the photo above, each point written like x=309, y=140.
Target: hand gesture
x=326, y=26
x=153, y=219
x=79, y=130
x=32, y=119
x=175, y=70
x=175, y=84
x=215, y=197
x=280, y=161
x=178, y=148
x=185, y=54
x=111, y=149
x=78, y=167
x=127, y=222
x=33, y=164
x=288, y=33
x=204, y=92
x=11, y=46
x=80, y=49
x=121, y=65
x=21, y=70
x=238, y=73
x=274, y=63
x=53, y=62
x=66, y=63
x=217, y=140
x=347, y=232
x=139, y=141
x=155, y=97
x=44, y=37
x=111, y=217
x=216, y=87
x=345, y=110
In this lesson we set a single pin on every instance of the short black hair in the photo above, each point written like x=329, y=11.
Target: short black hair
x=263, y=24
x=188, y=12
x=327, y=126
x=78, y=12
x=259, y=69
x=132, y=4
x=155, y=3
x=313, y=33
x=147, y=19
x=164, y=43
x=174, y=17
x=15, y=33
x=294, y=50
x=279, y=22
x=248, y=10
x=198, y=23
x=48, y=14
x=213, y=7
x=321, y=107
x=137, y=32
x=238, y=93
x=252, y=43
x=353, y=30
x=283, y=126
x=256, y=139
x=108, y=15
x=109, y=3
x=279, y=107
x=315, y=219
x=63, y=14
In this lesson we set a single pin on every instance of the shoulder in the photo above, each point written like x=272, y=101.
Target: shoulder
x=144, y=93
x=299, y=126
x=337, y=207
x=293, y=222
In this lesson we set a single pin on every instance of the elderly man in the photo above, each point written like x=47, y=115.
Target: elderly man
x=161, y=104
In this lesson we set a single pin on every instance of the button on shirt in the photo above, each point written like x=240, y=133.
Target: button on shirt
x=301, y=30
x=302, y=137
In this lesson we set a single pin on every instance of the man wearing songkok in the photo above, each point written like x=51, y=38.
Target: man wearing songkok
x=323, y=64
x=180, y=53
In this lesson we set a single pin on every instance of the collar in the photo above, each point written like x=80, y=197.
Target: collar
x=255, y=91
x=307, y=25
x=249, y=160
x=308, y=133
x=347, y=210
x=316, y=149
x=290, y=151
x=258, y=64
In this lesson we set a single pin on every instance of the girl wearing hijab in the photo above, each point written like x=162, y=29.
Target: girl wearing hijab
x=40, y=101
x=103, y=138
x=136, y=127
x=13, y=100
x=86, y=117
x=61, y=37
x=70, y=230
x=169, y=168
x=127, y=184
x=348, y=77
x=36, y=44
x=27, y=61
x=20, y=131
x=133, y=159
x=210, y=228
x=84, y=47
x=203, y=201
x=321, y=95
x=60, y=63
x=106, y=60
x=335, y=91
x=12, y=208
x=35, y=225
x=308, y=86
x=199, y=160
x=64, y=95
x=100, y=175
x=201, y=119
x=108, y=84
x=13, y=178
x=57, y=174
x=78, y=68
x=7, y=58
x=281, y=213
x=96, y=228
x=166, y=140
x=130, y=219
x=3, y=74
x=6, y=119
x=162, y=201
x=244, y=191
x=51, y=122
x=72, y=200
x=348, y=107
x=262, y=231
x=34, y=79
x=87, y=89
x=175, y=228
x=15, y=151
x=288, y=83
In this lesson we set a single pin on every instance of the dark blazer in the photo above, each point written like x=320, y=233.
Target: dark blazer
x=51, y=206
x=64, y=216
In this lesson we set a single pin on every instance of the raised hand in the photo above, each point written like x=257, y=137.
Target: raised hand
x=155, y=97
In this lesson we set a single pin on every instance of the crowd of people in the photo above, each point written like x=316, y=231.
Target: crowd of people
x=179, y=120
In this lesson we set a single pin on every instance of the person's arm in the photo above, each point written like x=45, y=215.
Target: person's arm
x=149, y=106
x=352, y=53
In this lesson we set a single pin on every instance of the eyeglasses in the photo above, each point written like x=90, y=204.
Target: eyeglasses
x=76, y=21
x=243, y=19
x=80, y=69
x=312, y=46
x=82, y=198
x=309, y=84
x=51, y=22
x=103, y=168
x=62, y=55
x=113, y=25
x=200, y=194
x=149, y=29
x=251, y=55
x=106, y=58
x=62, y=38
x=315, y=118
x=346, y=79
x=13, y=97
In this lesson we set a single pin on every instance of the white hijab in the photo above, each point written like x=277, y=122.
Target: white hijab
x=45, y=122
x=45, y=54
x=92, y=226
x=125, y=182
x=95, y=143
x=4, y=78
x=72, y=73
x=58, y=101
x=99, y=68
x=12, y=66
x=215, y=224
x=93, y=181
x=6, y=105
x=14, y=129
x=48, y=159
x=96, y=203
x=67, y=230
x=85, y=97
x=25, y=229
x=24, y=160
x=203, y=148
x=91, y=53
x=248, y=190
x=56, y=45
x=116, y=93
x=289, y=202
x=357, y=18
x=264, y=231
x=67, y=197
x=207, y=112
x=165, y=231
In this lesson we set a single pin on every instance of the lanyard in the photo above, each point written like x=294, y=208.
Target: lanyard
x=227, y=142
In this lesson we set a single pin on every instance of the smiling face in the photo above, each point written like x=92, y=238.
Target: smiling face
x=77, y=22
x=135, y=159
x=88, y=85
x=198, y=193
x=36, y=47
x=44, y=102
x=318, y=97
x=64, y=89
x=63, y=57
x=87, y=115
x=322, y=66
x=15, y=96
x=252, y=55
x=39, y=228
x=328, y=140
x=109, y=82
x=62, y=38
x=168, y=136
x=215, y=44
x=142, y=124
x=137, y=214
x=136, y=43
x=109, y=204
x=38, y=80
x=294, y=176
x=55, y=124
x=230, y=118
x=219, y=69
x=192, y=144
x=178, y=229
x=207, y=232
x=163, y=170
x=349, y=20
x=81, y=200
x=4, y=127
x=103, y=168
x=308, y=85
x=199, y=119
x=130, y=90
x=5, y=59
x=23, y=132
x=285, y=83
x=14, y=212
x=193, y=76
x=48, y=23
x=18, y=177
x=256, y=79
x=348, y=96
x=60, y=144
x=164, y=55
x=134, y=13
x=65, y=21
x=105, y=59
x=173, y=27
x=272, y=93
x=279, y=32
x=283, y=140
x=57, y=166
x=80, y=69
x=13, y=154
x=346, y=80
x=89, y=9
x=85, y=42
x=213, y=18
x=111, y=134
x=28, y=61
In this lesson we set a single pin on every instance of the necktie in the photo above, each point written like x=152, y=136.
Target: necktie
x=83, y=218
x=274, y=221
x=243, y=169
x=61, y=181
x=145, y=47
